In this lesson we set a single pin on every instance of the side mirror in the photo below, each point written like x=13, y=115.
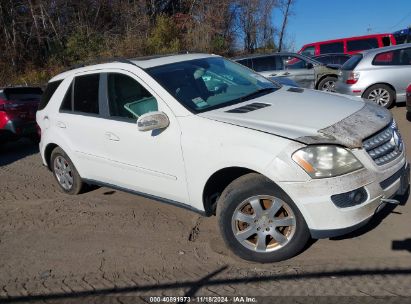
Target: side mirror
x=152, y=121
x=309, y=65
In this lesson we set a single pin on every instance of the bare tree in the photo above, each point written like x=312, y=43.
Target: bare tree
x=286, y=9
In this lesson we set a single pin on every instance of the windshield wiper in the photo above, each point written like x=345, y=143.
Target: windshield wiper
x=257, y=93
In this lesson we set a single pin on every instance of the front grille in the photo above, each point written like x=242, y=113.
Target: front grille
x=385, y=146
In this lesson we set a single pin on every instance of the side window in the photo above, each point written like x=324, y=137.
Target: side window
x=397, y=57
x=309, y=51
x=261, y=64
x=127, y=98
x=246, y=62
x=294, y=63
x=336, y=47
x=362, y=44
x=48, y=93
x=67, y=104
x=86, y=93
x=386, y=41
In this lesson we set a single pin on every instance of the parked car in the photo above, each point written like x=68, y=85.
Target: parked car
x=306, y=72
x=336, y=60
x=351, y=45
x=409, y=102
x=278, y=165
x=381, y=75
x=18, y=106
x=403, y=36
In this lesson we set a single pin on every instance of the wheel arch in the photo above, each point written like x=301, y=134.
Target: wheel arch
x=384, y=83
x=47, y=153
x=216, y=184
x=323, y=77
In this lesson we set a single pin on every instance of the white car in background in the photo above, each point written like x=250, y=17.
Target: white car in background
x=278, y=165
x=380, y=75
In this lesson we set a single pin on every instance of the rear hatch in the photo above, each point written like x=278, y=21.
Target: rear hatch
x=348, y=67
x=22, y=103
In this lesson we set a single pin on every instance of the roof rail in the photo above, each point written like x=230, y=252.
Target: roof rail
x=100, y=61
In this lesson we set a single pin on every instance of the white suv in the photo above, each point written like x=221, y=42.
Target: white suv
x=278, y=165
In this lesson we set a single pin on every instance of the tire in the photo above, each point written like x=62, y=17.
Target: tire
x=408, y=116
x=256, y=190
x=327, y=84
x=65, y=172
x=381, y=94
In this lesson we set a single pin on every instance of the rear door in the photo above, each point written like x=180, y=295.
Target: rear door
x=395, y=67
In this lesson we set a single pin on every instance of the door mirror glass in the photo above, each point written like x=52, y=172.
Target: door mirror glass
x=152, y=121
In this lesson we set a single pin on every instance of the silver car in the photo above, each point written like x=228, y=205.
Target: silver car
x=381, y=75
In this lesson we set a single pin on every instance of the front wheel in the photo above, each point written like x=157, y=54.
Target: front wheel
x=259, y=222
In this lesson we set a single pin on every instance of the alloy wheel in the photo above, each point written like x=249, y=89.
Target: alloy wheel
x=380, y=96
x=263, y=223
x=63, y=172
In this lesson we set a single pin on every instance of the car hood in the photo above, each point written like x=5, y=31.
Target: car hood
x=307, y=116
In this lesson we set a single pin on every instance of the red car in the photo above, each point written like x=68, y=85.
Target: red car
x=351, y=45
x=18, y=108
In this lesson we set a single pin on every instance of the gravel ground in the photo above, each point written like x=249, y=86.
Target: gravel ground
x=106, y=246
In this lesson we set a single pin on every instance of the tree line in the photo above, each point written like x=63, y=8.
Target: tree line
x=39, y=38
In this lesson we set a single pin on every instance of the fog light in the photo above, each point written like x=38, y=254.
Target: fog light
x=351, y=198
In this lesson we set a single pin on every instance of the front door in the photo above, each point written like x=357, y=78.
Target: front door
x=149, y=162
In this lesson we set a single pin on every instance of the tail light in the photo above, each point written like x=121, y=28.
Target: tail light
x=409, y=91
x=352, y=78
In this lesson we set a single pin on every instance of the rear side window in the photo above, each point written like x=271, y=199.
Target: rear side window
x=336, y=47
x=67, y=104
x=261, y=64
x=362, y=44
x=325, y=59
x=48, y=93
x=86, y=94
x=397, y=57
x=351, y=63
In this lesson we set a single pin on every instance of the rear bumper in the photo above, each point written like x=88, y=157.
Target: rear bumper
x=18, y=128
x=348, y=89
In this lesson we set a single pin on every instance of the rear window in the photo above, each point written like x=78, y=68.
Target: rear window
x=23, y=94
x=336, y=47
x=48, y=93
x=351, y=63
x=246, y=62
x=362, y=44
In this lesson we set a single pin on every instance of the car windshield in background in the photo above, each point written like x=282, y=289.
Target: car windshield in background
x=210, y=83
x=351, y=63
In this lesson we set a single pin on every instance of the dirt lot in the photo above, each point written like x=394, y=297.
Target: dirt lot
x=60, y=248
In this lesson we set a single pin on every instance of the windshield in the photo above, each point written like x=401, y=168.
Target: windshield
x=210, y=83
x=351, y=63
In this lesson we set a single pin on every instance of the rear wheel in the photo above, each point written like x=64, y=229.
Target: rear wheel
x=259, y=222
x=65, y=173
x=327, y=84
x=381, y=94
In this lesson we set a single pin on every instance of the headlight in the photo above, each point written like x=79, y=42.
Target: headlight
x=326, y=161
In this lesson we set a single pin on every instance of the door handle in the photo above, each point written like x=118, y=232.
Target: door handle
x=112, y=136
x=273, y=74
x=286, y=73
x=61, y=124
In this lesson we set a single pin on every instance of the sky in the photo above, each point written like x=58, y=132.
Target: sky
x=317, y=20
